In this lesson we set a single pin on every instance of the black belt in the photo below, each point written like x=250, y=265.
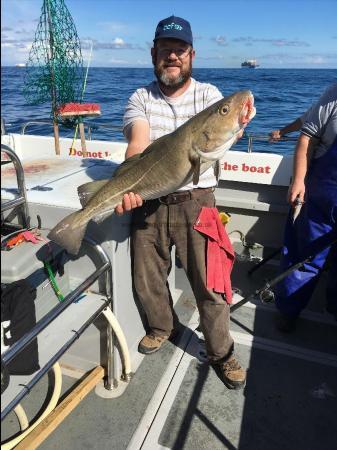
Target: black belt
x=183, y=196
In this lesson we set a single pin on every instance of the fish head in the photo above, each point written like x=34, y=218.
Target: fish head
x=222, y=125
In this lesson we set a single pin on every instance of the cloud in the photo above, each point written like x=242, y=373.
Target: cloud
x=117, y=44
x=289, y=43
x=18, y=38
x=7, y=45
x=281, y=42
x=313, y=59
x=210, y=58
x=280, y=56
x=112, y=27
x=23, y=31
x=118, y=61
x=143, y=63
x=220, y=40
x=14, y=43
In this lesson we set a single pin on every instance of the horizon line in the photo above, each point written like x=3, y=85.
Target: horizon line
x=209, y=68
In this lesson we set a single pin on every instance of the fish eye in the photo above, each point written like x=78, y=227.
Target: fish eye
x=224, y=110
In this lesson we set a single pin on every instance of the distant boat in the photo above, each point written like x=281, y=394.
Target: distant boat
x=20, y=65
x=250, y=64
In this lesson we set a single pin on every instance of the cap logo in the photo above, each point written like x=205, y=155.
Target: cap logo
x=172, y=26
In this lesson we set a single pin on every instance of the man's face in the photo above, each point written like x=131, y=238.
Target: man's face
x=172, y=60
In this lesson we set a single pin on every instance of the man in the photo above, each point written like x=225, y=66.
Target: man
x=314, y=186
x=152, y=112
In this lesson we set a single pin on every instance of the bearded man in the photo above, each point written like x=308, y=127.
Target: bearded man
x=152, y=112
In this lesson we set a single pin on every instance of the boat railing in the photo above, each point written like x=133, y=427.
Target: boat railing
x=3, y=127
x=19, y=204
x=105, y=267
x=94, y=126
x=88, y=127
x=251, y=137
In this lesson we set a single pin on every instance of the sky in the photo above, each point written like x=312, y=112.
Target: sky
x=277, y=33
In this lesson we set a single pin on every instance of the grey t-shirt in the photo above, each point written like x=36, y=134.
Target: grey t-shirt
x=165, y=114
x=320, y=121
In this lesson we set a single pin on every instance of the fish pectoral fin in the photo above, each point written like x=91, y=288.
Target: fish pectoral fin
x=196, y=171
x=216, y=169
x=88, y=190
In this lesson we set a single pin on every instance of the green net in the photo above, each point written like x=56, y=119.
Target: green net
x=54, y=71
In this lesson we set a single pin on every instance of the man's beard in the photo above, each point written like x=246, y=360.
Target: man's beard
x=168, y=81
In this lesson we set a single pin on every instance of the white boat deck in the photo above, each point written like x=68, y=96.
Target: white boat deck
x=175, y=400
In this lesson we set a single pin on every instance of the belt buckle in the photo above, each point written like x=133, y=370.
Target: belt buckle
x=162, y=201
x=174, y=198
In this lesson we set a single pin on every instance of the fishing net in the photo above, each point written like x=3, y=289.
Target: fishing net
x=54, y=71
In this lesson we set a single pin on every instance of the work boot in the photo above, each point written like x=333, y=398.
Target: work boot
x=285, y=323
x=151, y=343
x=231, y=373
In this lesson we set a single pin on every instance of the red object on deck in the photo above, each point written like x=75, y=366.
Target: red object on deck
x=79, y=109
x=220, y=253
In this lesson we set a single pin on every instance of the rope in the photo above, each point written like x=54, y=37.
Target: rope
x=53, y=281
x=83, y=90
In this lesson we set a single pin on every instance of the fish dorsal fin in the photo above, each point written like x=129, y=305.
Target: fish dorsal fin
x=129, y=162
x=196, y=171
x=125, y=165
x=88, y=190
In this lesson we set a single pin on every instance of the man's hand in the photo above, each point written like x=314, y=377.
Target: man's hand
x=296, y=193
x=275, y=136
x=130, y=201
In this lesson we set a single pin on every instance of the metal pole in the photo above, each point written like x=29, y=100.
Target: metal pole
x=50, y=363
x=22, y=200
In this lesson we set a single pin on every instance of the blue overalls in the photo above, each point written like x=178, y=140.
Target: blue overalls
x=314, y=229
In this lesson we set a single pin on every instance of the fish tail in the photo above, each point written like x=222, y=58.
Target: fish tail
x=69, y=233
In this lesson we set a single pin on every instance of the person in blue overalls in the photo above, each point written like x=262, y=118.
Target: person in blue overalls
x=314, y=190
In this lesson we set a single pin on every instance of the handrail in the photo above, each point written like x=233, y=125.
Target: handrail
x=34, y=122
x=3, y=126
x=90, y=127
x=264, y=138
x=22, y=199
x=41, y=122
x=16, y=348
x=94, y=126
x=51, y=362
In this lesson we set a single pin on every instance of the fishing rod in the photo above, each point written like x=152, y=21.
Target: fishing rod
x=265, y=294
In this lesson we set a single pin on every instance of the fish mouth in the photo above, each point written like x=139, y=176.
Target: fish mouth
x=246, y=114
x=219, y=151
x=248, y=110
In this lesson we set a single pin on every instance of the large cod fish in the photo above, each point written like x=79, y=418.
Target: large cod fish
x=166, y=165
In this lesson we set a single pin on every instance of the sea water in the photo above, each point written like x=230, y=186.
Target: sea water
x=281, y=95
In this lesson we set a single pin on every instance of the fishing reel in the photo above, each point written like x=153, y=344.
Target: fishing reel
x=266, y=295
x=4, y=377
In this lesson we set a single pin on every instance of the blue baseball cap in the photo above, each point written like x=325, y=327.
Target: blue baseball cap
x=175, y=28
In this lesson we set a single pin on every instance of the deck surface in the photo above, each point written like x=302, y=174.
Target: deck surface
x=176, y=401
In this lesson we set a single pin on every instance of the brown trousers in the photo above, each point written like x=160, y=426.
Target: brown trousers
x=156, y=227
